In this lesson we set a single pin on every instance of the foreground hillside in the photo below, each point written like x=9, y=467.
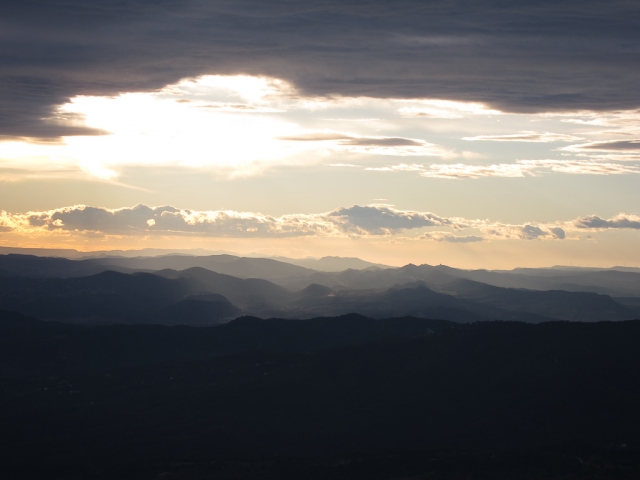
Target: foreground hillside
x=328, y=398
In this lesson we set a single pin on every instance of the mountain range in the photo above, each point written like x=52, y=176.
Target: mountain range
x=185, y=367
x=213, y=289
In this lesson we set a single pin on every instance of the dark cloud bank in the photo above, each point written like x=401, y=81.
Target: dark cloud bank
x=518, y=56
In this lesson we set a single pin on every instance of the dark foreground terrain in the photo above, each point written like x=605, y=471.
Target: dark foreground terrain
x=347, y=397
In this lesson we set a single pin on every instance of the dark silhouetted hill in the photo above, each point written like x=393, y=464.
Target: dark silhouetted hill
x=461, y=301
x=195, y=310
x=108, y=295
x=241, y=267
x=485, y=400
x=603, y=281
x=332, y=264
x=254, y=294
x=198, y=296
x=15, y=265
x=47, y=346
x=556, y=304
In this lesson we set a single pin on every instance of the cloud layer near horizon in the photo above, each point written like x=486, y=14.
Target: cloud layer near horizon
x=372, y=220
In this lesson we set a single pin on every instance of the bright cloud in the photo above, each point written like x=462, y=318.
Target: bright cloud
x=620, y=120
x=443, y=109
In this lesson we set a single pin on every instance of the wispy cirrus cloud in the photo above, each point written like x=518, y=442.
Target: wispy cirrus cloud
x=461, y=170
x=520, y=168
x=449, y=238
x=616, y=146
x=443, y=109
x=372, y=145
x=526, y=136
x=402, y=167
x=620, y=121
x=580, y=167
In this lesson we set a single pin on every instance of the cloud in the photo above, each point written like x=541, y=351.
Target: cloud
x=447, y=237
x=169, y=127
x=460, y=170
x=580, y=167
x=498, y=231
x=169, y=220
x=353, y=221
x=620, y=119
x=519, y=169
x=236, y=107
x=316, y=137
x=384, y=142
x=526, y=136
x=11, y=171
x=443, y=109
x=144, y=220
x=349, y=140
x=384, y=220
x=403, y=167
x=558, y=232
x=622, y=221
x=614, y=157
x=398, y=146
x=424, y=112
x=607, y=146
x=54, y=50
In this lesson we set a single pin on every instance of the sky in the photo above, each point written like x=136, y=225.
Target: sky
x=487, y=134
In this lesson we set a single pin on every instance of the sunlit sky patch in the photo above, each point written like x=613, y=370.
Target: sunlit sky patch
x=243, y=125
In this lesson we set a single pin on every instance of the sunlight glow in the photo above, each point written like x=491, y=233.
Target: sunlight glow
x=149, y=130
x=243, y=125
x=234, y=124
